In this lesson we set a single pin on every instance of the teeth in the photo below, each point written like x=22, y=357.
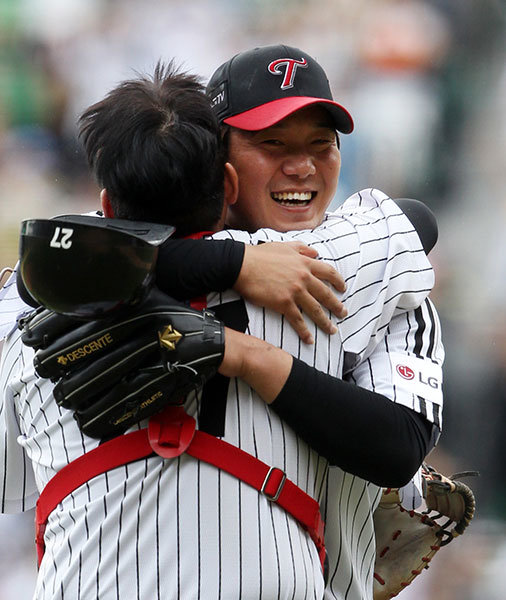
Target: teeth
x=302, y=196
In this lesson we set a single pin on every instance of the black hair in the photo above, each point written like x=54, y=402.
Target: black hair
x=154, y=144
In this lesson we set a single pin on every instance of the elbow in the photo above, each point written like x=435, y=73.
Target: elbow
x=402, y=453
x=396, y=472
x=395, y=480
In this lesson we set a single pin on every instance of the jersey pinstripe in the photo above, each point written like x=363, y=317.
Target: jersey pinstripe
x=183, y=529
x=11, y=306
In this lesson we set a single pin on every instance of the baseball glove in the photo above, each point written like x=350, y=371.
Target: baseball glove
x=406, y=540
x=114, y=372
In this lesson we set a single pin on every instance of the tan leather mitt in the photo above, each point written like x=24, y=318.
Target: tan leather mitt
x=407, y=540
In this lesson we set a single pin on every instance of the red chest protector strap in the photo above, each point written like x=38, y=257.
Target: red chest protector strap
x=169, y=434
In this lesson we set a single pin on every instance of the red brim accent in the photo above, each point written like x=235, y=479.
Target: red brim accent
x=269, y=114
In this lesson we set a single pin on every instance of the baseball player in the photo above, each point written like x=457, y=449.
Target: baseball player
x=189, y=515
x=256, y=94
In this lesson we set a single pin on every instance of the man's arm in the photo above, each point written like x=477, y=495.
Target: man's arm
x=285, y=277
x=359, y=430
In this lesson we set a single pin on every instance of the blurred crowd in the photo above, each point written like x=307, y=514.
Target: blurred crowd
x=425, y=81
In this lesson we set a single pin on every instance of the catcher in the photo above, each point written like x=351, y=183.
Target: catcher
x=170, y=435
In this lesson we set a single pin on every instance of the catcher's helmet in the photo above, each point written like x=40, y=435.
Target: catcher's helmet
x=84, y=266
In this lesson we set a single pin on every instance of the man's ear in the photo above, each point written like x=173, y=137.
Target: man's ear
x=106, y=204
x=231, y=180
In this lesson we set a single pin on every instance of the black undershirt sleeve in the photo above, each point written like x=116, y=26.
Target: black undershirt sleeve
x=362, y=432
x=422, y=219
x=188, y=268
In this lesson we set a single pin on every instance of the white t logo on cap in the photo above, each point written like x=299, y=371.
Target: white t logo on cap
x=289, y=74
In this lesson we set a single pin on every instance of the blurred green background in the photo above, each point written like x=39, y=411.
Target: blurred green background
x=425, y=81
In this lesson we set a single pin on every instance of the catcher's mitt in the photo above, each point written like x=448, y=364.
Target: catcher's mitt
x=114, y=372
x=406, y=541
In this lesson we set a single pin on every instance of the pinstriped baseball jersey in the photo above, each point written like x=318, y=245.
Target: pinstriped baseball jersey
x=182, y=529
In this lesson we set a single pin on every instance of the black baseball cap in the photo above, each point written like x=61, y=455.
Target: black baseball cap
x=258, y=88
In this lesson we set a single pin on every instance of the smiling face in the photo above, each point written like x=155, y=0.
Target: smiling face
x=288, y=173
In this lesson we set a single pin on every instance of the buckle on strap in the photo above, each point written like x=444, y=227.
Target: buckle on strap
x=171, y=432
x=272, y=496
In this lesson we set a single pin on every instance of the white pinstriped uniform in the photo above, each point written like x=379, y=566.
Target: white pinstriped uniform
x=183, y=529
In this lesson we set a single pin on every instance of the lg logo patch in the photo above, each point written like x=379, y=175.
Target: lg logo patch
x=408, y=374
x=415, y=375
x=405, y=372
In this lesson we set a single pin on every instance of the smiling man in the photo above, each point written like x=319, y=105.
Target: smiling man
x=297, y=164
x=280, y=125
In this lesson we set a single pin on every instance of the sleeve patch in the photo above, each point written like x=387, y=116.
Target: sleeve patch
x=418, y=376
